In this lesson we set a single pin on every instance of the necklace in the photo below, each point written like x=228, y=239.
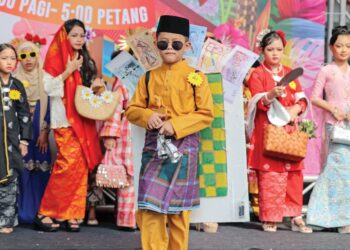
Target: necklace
x=279, y=69
x=275, y=75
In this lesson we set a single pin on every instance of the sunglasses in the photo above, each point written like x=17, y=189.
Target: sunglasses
x=24, y=55
x=176, y=45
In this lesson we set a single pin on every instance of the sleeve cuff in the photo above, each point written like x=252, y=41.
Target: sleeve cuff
x=147, y=115
x=24, y=142
x=109, y=132
x=177, y=128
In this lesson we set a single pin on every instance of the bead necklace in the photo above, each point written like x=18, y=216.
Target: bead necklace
x=275, y=75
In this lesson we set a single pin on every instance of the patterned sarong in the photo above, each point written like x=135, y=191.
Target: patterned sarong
x=280, y=195
x=8, y=204
x=166, y=187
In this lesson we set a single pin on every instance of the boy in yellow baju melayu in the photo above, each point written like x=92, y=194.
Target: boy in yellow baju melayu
x=175, y=102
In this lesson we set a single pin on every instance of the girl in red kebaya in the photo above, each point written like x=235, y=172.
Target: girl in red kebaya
x=280, y=182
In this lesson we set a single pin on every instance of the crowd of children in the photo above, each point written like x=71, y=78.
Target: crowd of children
x=37, y=97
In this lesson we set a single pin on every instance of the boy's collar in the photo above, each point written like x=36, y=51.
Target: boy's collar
x=178, y=65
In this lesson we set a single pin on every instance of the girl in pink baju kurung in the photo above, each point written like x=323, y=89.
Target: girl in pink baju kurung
x=117, y=139
x=329, y=205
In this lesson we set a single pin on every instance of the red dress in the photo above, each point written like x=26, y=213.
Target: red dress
x=261, y=81
x=280, y=182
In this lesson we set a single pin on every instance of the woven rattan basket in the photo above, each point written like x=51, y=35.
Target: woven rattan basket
x=281, y=144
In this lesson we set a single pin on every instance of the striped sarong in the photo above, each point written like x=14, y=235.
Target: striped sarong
x=165, y=187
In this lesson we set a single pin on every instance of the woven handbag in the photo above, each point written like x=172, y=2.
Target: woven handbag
x=96, y=107
x=278, y=143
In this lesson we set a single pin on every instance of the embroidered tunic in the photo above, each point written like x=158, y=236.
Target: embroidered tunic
x=15, y=125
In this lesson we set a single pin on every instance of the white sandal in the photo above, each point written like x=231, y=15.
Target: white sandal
x=269, y=227
x=6, y=230
x=300, y=227
x=208, y=227
x=92, y=222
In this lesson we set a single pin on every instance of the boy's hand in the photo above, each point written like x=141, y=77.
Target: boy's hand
x=109, y=143
x=23, y=149
x=167, y=129
x=155, y=121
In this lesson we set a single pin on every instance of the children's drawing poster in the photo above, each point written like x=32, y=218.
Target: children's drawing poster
x=236, y=66
x=212, y=56
x=197, y=36
x=142, y=44
x=127, y=69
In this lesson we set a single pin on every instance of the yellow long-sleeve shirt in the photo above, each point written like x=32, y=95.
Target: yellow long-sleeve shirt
x=170, y=90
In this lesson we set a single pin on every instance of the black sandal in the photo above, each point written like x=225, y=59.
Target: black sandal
x=126, y=229
x=69, y=227
x=60, y=223
x=41, y=226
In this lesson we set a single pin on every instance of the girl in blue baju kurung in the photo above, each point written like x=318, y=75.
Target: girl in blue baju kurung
x=34, y=177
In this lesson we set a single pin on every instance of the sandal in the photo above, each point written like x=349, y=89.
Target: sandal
x=126, y=229
x=299, y=226
x=92, y=222
x=270, y=227
x=72, y=226
x=6, y=230
x=44, y=226
x=58, y=223
x=207, y=227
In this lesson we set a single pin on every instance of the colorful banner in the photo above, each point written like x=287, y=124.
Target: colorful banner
x=106, y=14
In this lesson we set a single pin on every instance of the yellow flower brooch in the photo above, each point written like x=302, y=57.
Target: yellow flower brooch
x=293, y=85
x=195, y=79
x=14, y=94
x=25, y=84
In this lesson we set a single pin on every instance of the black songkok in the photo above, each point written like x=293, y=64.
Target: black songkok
x=174, y=24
